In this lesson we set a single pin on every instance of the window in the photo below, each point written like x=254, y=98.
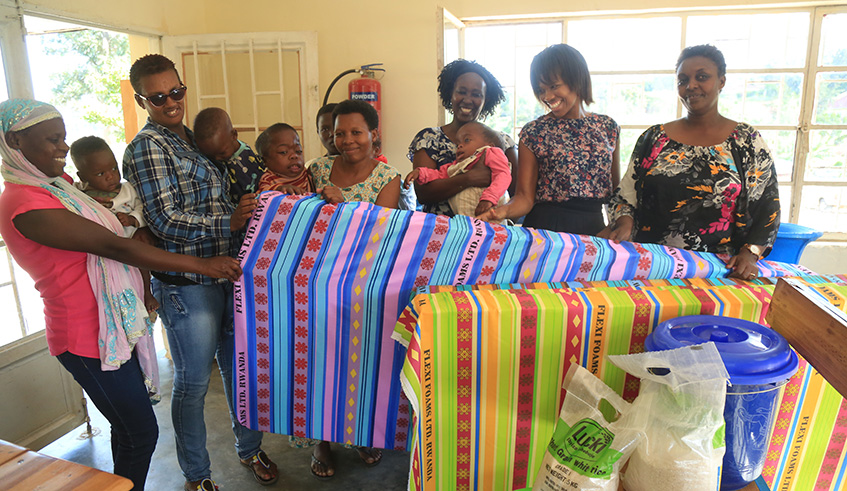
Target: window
x=786, y=75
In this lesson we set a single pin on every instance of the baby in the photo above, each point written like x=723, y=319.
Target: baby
x=100, y=178
x=477, y=142
x=218, y=140
x=279, y=147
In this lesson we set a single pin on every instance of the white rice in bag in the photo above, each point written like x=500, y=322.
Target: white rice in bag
x=586, y=451
x=680, y=409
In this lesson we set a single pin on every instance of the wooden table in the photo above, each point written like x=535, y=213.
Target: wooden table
x=25, y=470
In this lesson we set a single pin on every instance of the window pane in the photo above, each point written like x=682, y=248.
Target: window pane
x=621, y=44
x=831, y=97
x=635, y=99
x=628, y=139
x=781, y=145
x=4, y=91
x=754, y=41
x=827, y=160
x=833, y=50
x=762, y=98
x=824, y=208
x=79, y=70
x=785, y=203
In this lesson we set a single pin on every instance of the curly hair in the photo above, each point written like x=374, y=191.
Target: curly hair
x=706, y=51
x=452, y=71
x=149, y=65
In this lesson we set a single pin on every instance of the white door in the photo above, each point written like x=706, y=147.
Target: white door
x=40, y=401
x=258, y=78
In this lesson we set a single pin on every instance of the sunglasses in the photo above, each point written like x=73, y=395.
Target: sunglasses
x=158, y=100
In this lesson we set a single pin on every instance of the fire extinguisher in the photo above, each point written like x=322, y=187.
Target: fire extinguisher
x=365, y=88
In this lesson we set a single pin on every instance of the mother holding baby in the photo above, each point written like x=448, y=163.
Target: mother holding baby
x=469, y=92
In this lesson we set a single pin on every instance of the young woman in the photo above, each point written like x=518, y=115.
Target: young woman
x=469, y=92
x=703, y=182
x=569, y=156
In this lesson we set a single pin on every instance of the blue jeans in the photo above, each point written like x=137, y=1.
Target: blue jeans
x=122, y=398
x=198, y=322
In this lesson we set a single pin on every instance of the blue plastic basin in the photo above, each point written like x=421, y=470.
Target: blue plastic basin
x=791, y=239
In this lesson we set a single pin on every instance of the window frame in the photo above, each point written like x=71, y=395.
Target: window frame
x=810, y=71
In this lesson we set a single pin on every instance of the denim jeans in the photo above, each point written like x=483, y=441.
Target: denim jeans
x=198, y=323
x=122, y=398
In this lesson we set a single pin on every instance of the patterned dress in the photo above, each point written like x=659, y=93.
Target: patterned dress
x=574, y=171
x=367, y=190
x=704, y=198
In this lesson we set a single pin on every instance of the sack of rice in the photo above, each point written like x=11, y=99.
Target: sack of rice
x=587, y=450
x=680, y=410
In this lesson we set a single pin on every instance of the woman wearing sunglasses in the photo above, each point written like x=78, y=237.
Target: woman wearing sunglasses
x=187, y=207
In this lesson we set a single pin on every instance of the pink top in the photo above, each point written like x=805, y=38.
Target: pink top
x=495, y=159
x=60, y=276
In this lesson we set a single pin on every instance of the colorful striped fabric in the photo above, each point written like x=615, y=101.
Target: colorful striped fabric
x=324, y=284
x=484, y=369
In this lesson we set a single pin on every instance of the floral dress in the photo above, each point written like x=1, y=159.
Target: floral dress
x=704, y=198
x=367, y=190
x=574, y=156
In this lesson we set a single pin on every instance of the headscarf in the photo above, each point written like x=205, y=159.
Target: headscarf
x=124, y=322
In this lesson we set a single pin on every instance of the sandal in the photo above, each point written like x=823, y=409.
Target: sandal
x=371, y=452
x=201, y=485
x=325, y=477
x=261, y=461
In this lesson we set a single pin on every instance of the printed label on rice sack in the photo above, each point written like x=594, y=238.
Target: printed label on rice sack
x=582, y=454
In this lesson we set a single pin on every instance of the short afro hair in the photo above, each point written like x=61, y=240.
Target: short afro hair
x=263, y=142
x=149, y=65
x=706, y=51
x=358, y=107
x=452, y=71
x=209, y=122
x=84, y=147
x=326, y=109
x=561, y=61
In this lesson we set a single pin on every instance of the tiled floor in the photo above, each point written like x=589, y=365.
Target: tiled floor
x=351, y=473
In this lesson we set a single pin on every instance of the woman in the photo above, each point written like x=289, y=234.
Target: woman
x=702, y=182
x=569, y=157
x=469, y=92
x=354, y=175
x=97, y=325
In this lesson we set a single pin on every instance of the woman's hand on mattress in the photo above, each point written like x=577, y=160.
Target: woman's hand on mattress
x=495, y=214
x=220, y=267
x=243, y=212
x=618, y=231
x=331, y=194
x=743, y=265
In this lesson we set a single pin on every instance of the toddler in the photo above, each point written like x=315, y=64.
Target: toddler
x=279, y=147
x=100, y=178
x=477, y=142
x=218, y=140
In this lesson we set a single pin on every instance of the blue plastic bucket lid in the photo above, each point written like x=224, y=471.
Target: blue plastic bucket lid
x=753, y=354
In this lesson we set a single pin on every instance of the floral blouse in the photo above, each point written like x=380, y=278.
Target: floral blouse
x=367, y=190
x=711, y=199
x=574, y=156
x=443, y=151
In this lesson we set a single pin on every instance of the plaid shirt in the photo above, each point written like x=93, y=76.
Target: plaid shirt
x=184, y=195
